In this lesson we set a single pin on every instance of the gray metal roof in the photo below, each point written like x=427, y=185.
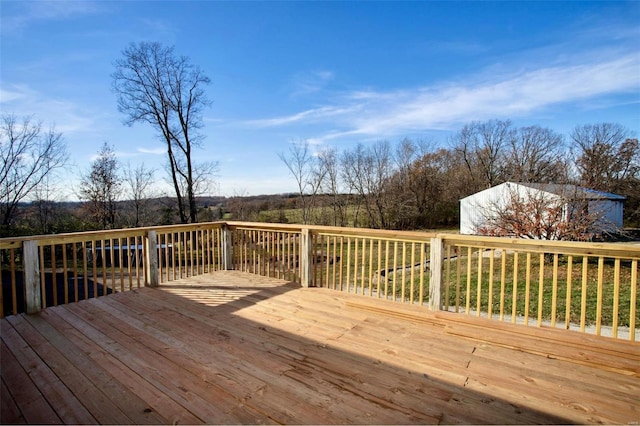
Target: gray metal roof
x=573, y=191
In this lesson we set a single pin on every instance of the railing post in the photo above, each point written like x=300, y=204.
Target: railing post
x=227, y=249
x=306, y=258
x=435, y=266
x=32, y=277
x=152, y=259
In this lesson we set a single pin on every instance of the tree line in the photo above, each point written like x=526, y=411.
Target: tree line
x=404, y=185
x=418, y=184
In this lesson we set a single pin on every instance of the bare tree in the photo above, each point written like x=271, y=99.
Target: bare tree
x=366, y=171
x=353, y=167
x=157, y=87
x=604, y=155
x=608, y=159
x=308, y=173
x=29, y=154
x=138, y=183
x=45, y=210
x=628, y=179
x=237, y=206
x=429, y=185
x=405, y=154
x=536, y=154
x=332, y=185
x=383, y=167
x=483, y=148
x=101, y=187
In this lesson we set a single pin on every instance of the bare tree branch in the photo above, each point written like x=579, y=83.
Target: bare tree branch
x=101, y=187
x=155, y=86
x=28, y=155
x=537, y=214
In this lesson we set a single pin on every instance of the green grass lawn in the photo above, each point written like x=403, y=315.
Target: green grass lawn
x=581, y=294
x=541, y=292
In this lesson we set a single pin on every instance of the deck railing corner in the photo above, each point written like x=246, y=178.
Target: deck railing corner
x=589, y=287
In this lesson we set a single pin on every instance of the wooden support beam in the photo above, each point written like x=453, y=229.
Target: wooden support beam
x=151, y=266
x=435, y=267
x=32, y=277
x=227, y=249
x=306, y=258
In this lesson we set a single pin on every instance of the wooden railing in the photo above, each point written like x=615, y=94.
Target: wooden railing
x=188, y=250
x=49, y=270
x=590, y=287
x=272, y=252
x=584, y=286
x=382, y=264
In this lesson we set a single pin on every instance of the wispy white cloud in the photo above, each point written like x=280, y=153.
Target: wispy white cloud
x=15, y=93
x=479, y=97
x=316, y=114
x=306, y=83
x=515, y=95
x=18, y=16
x=68, y=117
x=152, y=151
x=132, y=154
x=214, y=121
x=48, y=64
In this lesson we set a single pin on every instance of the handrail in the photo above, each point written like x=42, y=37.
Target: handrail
x=70, y=237
x=334, y=230
x=558, y=283
x=546, y=246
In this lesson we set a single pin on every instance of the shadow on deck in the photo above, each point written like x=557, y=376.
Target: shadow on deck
x=231, y=347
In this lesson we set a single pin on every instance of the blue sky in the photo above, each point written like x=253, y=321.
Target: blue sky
x=333, y=73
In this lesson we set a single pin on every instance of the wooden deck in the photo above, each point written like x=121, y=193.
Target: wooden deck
x=237, y=348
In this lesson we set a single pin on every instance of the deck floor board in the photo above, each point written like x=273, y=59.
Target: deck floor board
x=235, y=348
x=71, y=410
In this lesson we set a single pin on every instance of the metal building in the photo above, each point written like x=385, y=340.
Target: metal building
x=476, y=209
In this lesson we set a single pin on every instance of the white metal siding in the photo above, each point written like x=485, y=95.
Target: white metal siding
x=475, y=208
